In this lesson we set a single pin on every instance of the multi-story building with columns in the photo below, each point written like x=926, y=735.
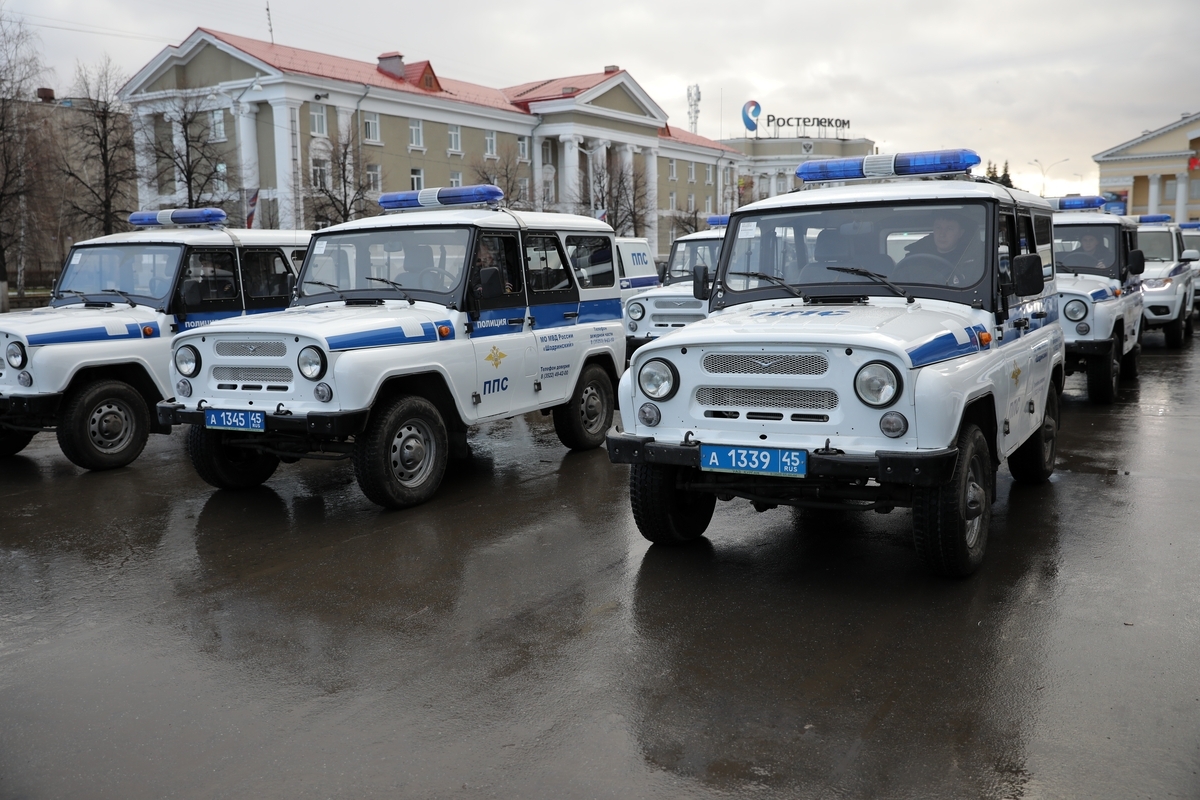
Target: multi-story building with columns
x=1158, y=172
x=287, y=121
x=769, y=166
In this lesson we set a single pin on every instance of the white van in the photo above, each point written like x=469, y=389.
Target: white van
x=635, y=265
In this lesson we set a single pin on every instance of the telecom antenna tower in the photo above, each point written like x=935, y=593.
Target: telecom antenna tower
x=693, y=106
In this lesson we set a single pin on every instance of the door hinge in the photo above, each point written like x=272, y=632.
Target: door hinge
x=1006, y=428
x=537, y=386
x=476, y=399
x=1031, y=407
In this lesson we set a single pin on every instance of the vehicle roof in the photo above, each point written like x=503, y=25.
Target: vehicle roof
x=898, y=190
x=1146, y=226
x=204, y=237
x=1091, y=218
x=481, y=217
x=708, y=233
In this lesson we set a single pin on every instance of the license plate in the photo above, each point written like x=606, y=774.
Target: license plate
x=754, y=460
x=235, y=420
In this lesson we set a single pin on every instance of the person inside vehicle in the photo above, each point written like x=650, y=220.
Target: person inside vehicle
x=490, y=254
x=1096, y=253
x=956, y=258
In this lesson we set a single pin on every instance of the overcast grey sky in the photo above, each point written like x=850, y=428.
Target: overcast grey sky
x=1014, y=81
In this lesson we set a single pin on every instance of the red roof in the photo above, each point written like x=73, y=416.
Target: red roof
x=687, y=137
x=555, y=88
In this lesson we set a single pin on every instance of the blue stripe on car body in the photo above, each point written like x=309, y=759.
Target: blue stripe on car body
x=599, y=310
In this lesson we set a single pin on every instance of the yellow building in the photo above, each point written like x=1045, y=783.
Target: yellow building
x=1158, y=172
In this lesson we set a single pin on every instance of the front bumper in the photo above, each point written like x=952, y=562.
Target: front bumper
x=1079, y=353
x=328, y=425
x=921, y=468
x=30, y=410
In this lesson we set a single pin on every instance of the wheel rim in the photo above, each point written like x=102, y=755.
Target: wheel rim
x=110, y=426
x=591, y=409
x=412, y=453
x=976, y=498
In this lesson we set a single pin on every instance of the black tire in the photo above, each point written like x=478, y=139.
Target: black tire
x=1173, y=331
x=227, y=467
x=400, y=458
x=1104, y=375
x=1129, y=361
x=13, y=442
x=583, y=421
x=947, y=542
x=664, y=513
x=1033, y=462
x=104, y=425
x=1189, y=326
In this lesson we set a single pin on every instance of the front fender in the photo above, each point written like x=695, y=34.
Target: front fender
x=54, y=366
x=943, y=391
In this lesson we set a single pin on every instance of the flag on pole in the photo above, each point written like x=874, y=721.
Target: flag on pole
x=251, y=205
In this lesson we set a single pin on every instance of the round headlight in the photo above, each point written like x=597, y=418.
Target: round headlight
x=311, y=362
x=893, y=424
x=15, y=353
x=636, y=311
x=1083, y=329
x=877, y=384
x=183, y=388
x=658, y=379
x=323, y=392
x=1075, y=310
x=25, y=379
x=649, y=415
x=187, y=361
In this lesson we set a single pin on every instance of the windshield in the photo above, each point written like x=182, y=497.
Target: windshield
x=914, y=245
x=1086, y=248
x=382, y=263
x=1156, y=245
x=1191, y=241
x=144, y=270
x=686, y=255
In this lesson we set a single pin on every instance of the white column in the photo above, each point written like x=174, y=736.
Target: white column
x=597, y=155
x=247, y=133
x=287, y=162
x=536, y=143
x=147, y=180
x=773, y=189
x=1181, y=196
x=652, y=199
x=1155, y=190
x=568, y=178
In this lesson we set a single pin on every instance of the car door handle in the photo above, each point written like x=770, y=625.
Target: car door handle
x=570, y=314
x=1039, y=315
x=1020, y=322
x=516, y=320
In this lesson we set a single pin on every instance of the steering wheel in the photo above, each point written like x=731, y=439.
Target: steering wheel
x=436, y=279
x=1079, y=260
x=922, y=268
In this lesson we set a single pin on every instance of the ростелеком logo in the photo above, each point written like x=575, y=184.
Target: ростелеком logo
x=750, y=113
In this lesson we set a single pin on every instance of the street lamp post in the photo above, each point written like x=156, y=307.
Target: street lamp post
x=1046, y=169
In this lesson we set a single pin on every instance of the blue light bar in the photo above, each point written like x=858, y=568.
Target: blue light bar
x=929, y=162
x=717, y=220
x=1189, y=225
x=445, y=196
x=1077, y=203
x=1154, y=218
x=173, y=217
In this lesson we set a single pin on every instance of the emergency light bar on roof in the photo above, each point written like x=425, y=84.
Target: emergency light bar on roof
x=176, y=217
x=717, y=220
x=930, y=162
x=1189, y=225
x=443, y=197
x=1154, y=218
x=1076, y=203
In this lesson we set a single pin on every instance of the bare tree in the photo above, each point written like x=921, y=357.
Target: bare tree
x=685, y=222
x=341, y=182
x=185, y=150
x=623, y=197
x=507, y=171
x=97, y=154
x=20, y=67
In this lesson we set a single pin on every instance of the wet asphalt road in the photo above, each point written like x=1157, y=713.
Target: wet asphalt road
x=516, y=637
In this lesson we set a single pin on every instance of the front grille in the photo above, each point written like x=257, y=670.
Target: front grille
x=671, y=305
x=253, y=374
x=762, y=364
x=264, y=349
x=766, y=398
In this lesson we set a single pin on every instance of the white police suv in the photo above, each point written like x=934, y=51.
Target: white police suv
x=654, y=312
x=1099, y=293
x=407, y=329
x=93, y=364
x=1169, y=281
x=897, y=360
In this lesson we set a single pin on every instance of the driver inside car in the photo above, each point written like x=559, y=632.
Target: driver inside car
x=954, y=260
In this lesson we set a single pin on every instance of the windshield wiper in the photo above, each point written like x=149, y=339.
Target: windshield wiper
x=772, y=279
x=395, y=286
x=126, y=297
x=328, y=286
x=81, y=295
x=875, y=276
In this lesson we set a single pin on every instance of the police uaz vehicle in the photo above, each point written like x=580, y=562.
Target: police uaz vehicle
x=1169, y=281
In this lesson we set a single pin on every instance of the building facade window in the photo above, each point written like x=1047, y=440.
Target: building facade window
x=1170, y=189
x=548, y=190
x=523, y=190
x=1194, y=186
x=547, y=152
x=489, y=143
x=671, y=205
x=691, y=203
x=456, y=179
x=370, y=131
x=691, y=172
x=316, y=120
x=671, y=170
x=416, y=133
x=221, y=179
x=455, y=134
x=417, y=176
x=781, y=184
x=708, y=207
x=374, y=175
x=216, y=127
x=708, y=174
x=523, y=147
x=320, y=173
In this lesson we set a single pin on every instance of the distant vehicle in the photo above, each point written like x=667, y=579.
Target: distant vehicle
x=1191, y=241
x=1099, y=293
x=635, y=266
x=92, y=365
x=1169, y=280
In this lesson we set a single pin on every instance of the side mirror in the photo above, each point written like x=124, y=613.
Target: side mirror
x=700, y=288
x=1137, y=262
x=1190, y=255
x=291, y=285
x=490, y=284
x=1027, y=274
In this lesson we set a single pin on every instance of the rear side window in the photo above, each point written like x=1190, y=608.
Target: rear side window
x=264, y=274
x=591, y=258
x=546, y=269
x=209, y=279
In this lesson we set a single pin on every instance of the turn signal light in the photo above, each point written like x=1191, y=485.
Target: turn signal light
x=443, y=331
x=147, y=331
x=985, y=338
